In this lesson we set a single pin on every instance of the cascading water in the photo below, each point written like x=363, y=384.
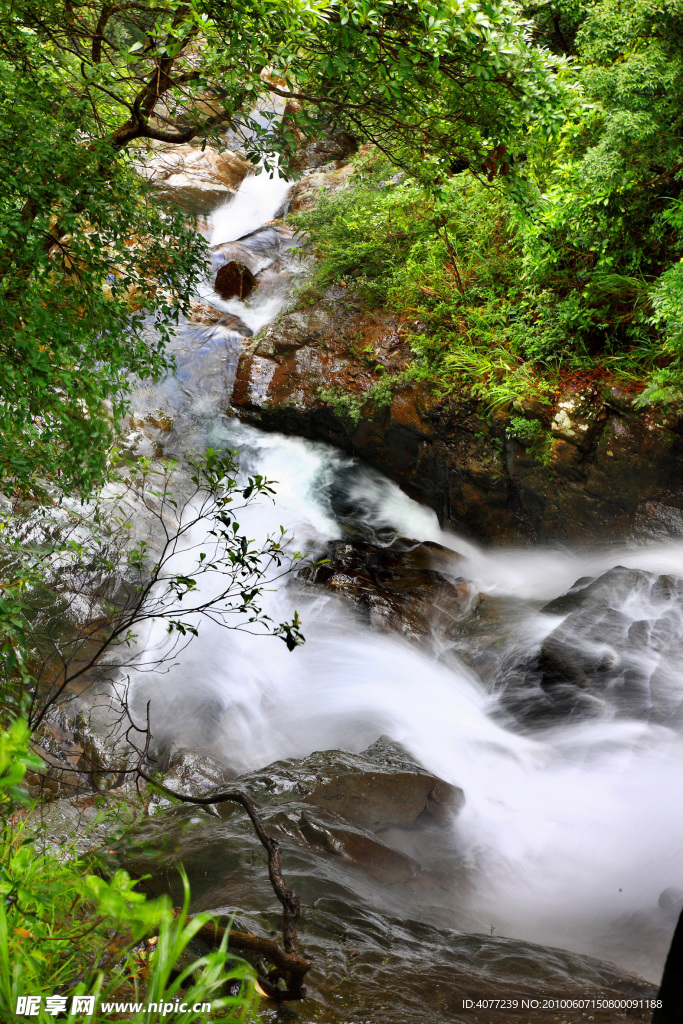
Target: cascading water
x=573, y=829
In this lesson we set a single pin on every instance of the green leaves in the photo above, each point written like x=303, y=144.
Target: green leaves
x=196, y=563
x=66, y=931
x=93, y=277
x=15, y=760
x=81, y=256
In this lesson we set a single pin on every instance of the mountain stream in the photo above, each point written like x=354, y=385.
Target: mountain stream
x=572, y=828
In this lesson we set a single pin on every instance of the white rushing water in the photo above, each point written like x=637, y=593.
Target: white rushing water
x=572, y=833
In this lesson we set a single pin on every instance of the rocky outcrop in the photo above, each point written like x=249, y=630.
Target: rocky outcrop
x=378, y=812
x=196, y=179
x=203, y=313
x=591, y=465
x=406, y=586
x=612, y=646
x=309, y=188
x=333, y=147
x=373, y=920
x=380, y=789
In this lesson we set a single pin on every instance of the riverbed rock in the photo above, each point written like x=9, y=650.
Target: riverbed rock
x=614, y=646
x=334, y=147
x=309, y=188
x=406, y=587
x=600, y=465
x=191, y=773
x=383, y=801
x=234, y=281
x=380, y=789
x=203, y=313
x=157, y=419
x=378, y=816
x=83, y=746
x=196, y=180
x=332, y=833
x=382, y=953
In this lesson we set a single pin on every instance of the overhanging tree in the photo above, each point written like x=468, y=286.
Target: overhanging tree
x=85, y=84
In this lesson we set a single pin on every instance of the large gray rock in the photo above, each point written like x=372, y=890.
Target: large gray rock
x=614, y=646
x=333, y=148
x=378, y=927
x=380, y=789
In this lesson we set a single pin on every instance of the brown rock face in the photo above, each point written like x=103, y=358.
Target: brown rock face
x=336, y=146
x=195, y=179
x=604, y=465
x=234, y=281
x=380, y=801
x=401, y=587
x=381, y=789
x=202, y=313
x=338, y=837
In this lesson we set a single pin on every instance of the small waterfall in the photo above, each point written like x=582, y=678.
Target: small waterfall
x=261, y=198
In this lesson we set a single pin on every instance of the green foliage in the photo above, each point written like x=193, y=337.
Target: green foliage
x=572, y=261
x=66, y=931
x=556, y=24
x=429, y=81
x=92, y=275
x=15, y=760
x=449, y=261
x=605, y=231
x=85, y=261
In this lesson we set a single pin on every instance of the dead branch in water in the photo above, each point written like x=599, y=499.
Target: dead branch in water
x=289, y=966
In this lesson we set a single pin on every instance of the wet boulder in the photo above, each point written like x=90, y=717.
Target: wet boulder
x=382, y=800
x=374, y=820
x=234, y=281
x=380, y=789
x=332, y=833
x=198, y=180
x=380, y=952
x=613, y=646
x=203, y=313
x=406, y=587
x=191, y=773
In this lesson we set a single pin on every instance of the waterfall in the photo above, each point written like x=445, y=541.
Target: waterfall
x=571, y=834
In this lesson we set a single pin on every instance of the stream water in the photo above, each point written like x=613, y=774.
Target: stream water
x=572, y=829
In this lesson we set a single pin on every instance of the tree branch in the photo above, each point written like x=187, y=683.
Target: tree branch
x=291, y=967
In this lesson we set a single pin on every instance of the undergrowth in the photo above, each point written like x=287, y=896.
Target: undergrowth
x=68, y=932
x=465, y=269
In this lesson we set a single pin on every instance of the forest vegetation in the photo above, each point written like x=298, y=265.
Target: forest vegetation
x=563, y=258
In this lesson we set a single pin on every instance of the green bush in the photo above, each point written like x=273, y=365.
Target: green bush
x=449, y=262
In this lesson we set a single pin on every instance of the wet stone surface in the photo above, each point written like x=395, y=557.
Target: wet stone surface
x=406, y=587
x=600, y=463
x=614, y=645
x=370, y=910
